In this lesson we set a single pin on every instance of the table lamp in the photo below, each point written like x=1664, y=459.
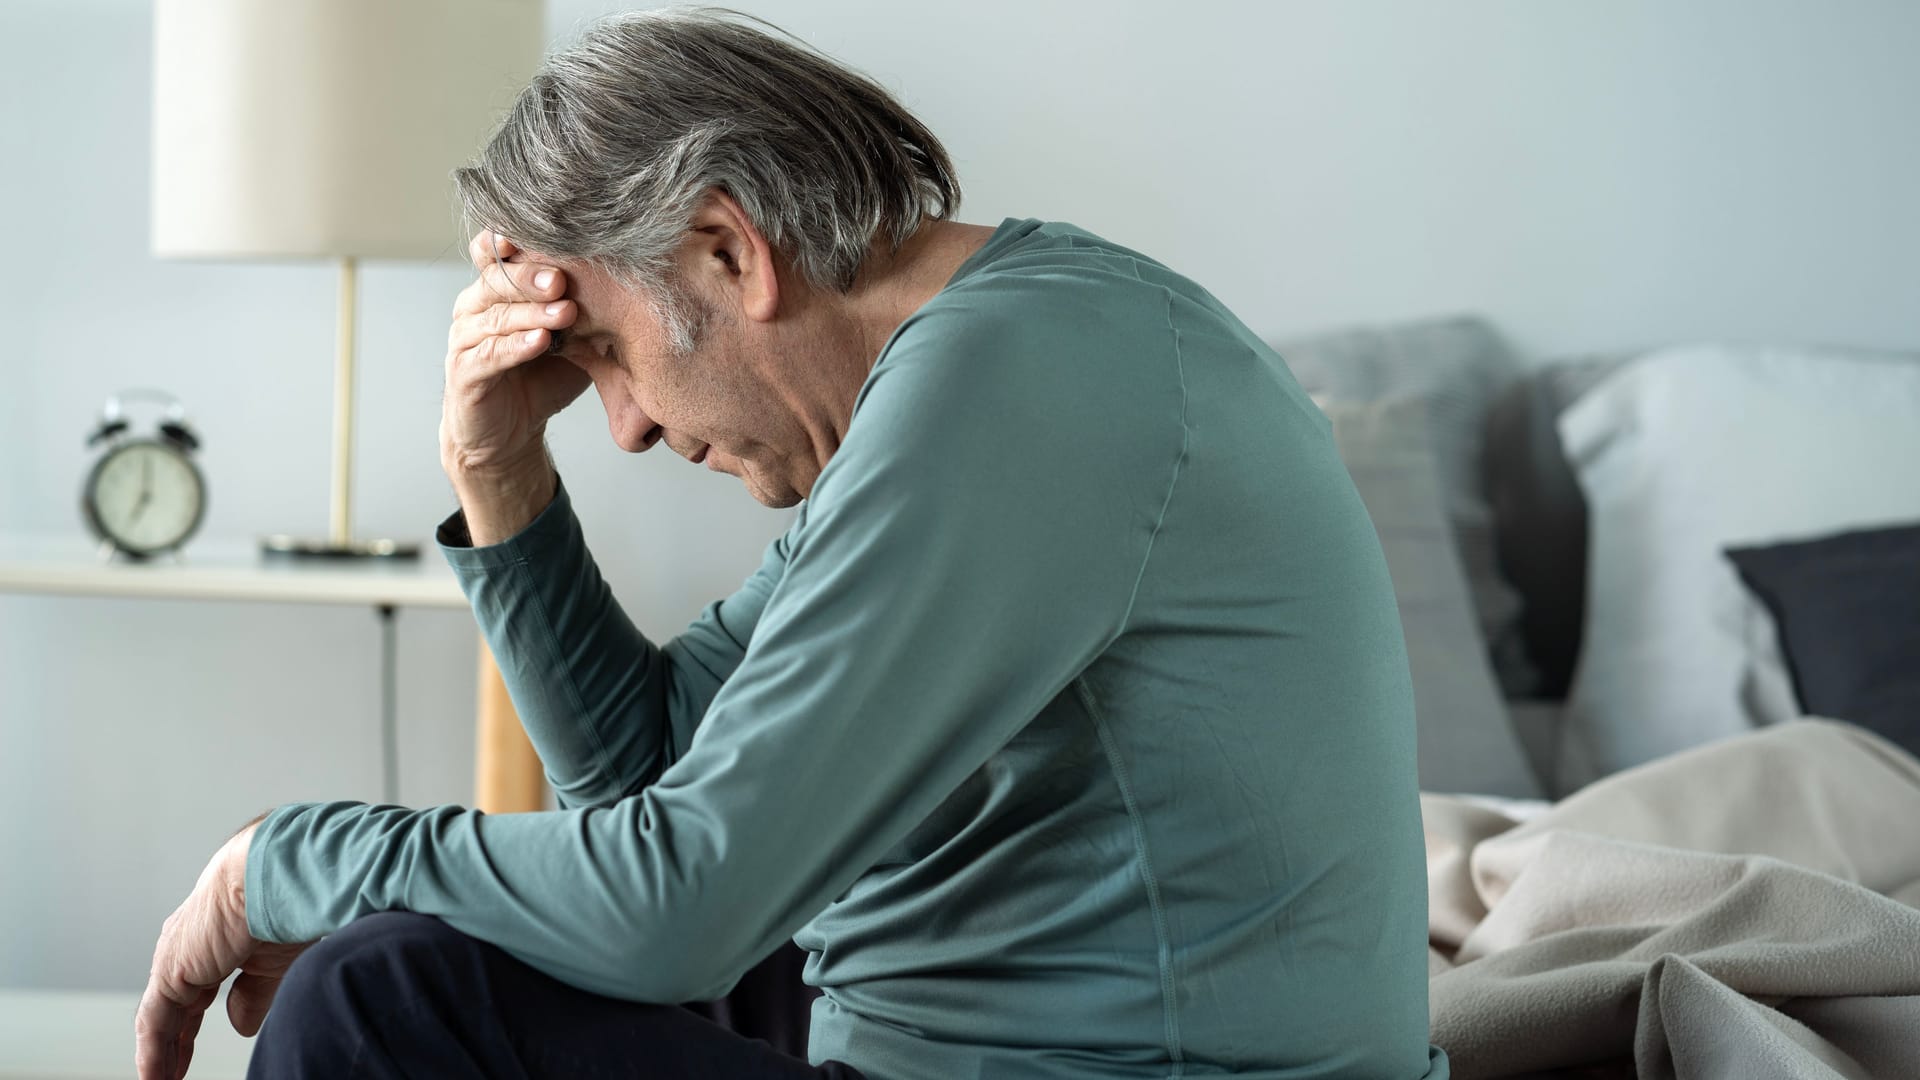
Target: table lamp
x=327, y=129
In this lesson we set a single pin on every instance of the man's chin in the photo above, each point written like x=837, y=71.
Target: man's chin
x=776, y=499
x=774, y=502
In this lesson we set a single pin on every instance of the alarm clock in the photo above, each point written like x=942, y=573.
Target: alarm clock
x=144, y=496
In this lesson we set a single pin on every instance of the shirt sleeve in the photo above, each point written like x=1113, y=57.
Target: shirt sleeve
x=975, y=543
x=605, y=708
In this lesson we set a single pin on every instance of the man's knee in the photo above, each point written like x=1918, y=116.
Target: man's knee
x=392, y=946
x=403, y=931
x=348, y=982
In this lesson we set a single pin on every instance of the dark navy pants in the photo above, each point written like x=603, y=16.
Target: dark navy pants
x=402, y=995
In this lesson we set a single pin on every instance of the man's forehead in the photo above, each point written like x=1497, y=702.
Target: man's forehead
x=593, y=292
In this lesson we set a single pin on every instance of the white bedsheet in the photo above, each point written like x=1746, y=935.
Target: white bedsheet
x=1748, y=908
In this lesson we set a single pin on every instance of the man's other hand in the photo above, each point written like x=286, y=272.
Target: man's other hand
x=201, y=943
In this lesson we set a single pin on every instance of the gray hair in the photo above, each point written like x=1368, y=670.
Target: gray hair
x=608, y=152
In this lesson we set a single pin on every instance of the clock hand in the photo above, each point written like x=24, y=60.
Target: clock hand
x=146, y=490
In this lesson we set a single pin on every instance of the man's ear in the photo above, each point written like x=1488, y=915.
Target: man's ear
x=727, y=255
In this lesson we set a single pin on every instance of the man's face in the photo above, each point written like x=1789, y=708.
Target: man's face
x=718, y=404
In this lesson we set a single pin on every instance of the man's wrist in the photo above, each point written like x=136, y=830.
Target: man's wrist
x=498, y=503
x=233, y=869
x=257, y=819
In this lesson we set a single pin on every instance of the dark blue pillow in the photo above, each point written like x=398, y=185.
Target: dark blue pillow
x=1848, y=612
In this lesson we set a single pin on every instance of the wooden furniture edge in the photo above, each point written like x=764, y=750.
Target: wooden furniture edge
x=509, y=776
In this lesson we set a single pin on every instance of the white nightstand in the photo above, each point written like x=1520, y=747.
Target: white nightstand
x=508, y=776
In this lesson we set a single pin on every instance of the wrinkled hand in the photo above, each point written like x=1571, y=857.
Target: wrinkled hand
x=501, y=386
x=201, y=943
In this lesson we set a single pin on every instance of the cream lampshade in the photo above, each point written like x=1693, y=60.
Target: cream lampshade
x=326, y=129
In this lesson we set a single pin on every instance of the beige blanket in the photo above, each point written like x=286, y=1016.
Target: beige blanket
x=1745, y=910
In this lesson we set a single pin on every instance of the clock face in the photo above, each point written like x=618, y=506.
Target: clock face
x=145, y=497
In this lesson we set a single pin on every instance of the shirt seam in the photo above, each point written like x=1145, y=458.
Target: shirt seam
x=1163, y=938
x=1179, y=463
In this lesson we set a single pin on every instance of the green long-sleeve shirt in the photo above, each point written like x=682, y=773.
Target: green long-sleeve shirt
x=1068, y=727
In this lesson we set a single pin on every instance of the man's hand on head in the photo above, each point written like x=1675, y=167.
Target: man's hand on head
x=503, y=385
x=201, y=943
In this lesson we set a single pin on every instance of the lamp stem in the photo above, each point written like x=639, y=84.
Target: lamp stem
x=340, y=516
x=340, y=543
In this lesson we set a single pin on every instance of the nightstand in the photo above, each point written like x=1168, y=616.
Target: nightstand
x=508, y=775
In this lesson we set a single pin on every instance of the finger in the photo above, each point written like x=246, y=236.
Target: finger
x=249, y=1000
x=158, y=1024
x=156, y=1028
x=505, y=282
x=183, y=1046
x=487, y=245
x=480, y=365
x=502, y=319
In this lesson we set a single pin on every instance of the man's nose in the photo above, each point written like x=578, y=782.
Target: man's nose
x=632, y=429
x=638, y=436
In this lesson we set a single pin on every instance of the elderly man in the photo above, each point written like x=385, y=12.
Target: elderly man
x=1068, y=729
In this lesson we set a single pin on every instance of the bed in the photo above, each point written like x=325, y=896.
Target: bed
x=1661, y=608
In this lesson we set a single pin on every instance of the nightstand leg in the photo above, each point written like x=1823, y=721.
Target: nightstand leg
x=509, y=778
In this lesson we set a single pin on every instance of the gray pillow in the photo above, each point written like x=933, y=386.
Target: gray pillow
x=1540, y=516
x=1466, y=743
x=1456, y=366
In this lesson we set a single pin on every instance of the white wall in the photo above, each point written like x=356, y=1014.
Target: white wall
x=1594, y=174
